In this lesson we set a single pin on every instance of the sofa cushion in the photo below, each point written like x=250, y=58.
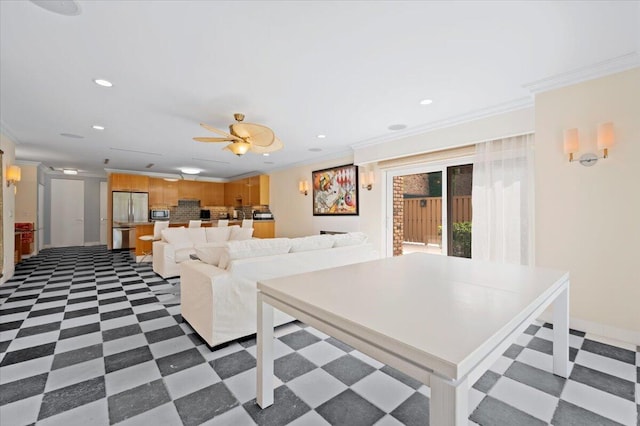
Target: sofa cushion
x=216, y=234
x=183, y=254
x=210, y=252
x=253, y=248
x=240, y=234
x=314, y=242
x=178, y=237
x=197, y=235
x=349, y=239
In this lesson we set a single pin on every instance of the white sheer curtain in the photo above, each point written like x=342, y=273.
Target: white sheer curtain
x=502, y=199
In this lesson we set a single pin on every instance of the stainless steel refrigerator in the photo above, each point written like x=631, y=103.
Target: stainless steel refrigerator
x=129, y=210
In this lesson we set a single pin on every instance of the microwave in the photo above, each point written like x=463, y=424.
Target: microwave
x=159, y=214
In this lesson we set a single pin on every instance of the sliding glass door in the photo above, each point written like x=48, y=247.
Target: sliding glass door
x=429, y=209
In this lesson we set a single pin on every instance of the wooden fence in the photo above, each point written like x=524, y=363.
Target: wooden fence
x=423, y=217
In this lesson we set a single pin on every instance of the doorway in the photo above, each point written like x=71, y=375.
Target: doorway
x=430, y=209
x=103, y=212
x=67, y=212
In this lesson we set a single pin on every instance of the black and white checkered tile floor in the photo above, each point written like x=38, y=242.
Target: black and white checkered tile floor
x=85, y=340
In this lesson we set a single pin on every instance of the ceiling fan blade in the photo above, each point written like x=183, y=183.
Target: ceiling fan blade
x=213, y=139
x=275, y=146
x=220, y=132
x=256, y=134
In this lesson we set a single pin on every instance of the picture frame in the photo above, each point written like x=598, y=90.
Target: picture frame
x=336, y=191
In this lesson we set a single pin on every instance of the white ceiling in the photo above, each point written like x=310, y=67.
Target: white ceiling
x=345, y=69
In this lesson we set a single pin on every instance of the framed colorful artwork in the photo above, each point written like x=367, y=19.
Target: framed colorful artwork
x=335, y=191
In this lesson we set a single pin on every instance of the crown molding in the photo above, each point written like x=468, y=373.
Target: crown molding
x=590, y=72
x=516, y=104
x=8, y=132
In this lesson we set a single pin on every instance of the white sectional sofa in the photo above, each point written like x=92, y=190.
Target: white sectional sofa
x=218, y=292
x=178, y=244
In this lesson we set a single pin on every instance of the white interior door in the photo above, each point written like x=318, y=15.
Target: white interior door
x=103, y=212
x=67, y=212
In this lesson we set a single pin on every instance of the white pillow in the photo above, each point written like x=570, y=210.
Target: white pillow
x=210, y=252
x=349, y=239
x=314, y=242
x=178, y=237
x=197, y=235
x=253, y=248
x=215, y=234
x=241, y=234
x=183, y=254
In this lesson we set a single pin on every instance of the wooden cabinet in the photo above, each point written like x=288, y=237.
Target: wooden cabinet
x=162, y=194
x=212, y=194
x=156, y=192
x=264, y=229
x=170, y=193
x=247, y=192
x=188, y=190
x=122, y=182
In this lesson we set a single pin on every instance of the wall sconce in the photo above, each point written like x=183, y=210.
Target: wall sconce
x=367, y=179
x=604, y=141
x=303, y=187
x=13, y=175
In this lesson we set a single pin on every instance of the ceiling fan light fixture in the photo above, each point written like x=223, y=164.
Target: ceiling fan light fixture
x=239, y=148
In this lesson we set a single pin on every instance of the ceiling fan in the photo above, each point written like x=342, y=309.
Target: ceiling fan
x=245, y=137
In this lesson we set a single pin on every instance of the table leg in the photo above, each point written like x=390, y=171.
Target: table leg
x=449, y=402
x=561, y=334
x=264, y=395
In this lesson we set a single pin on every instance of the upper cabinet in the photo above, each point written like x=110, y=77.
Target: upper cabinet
x=135, y=183
x=248, y=191
x=189, y=190
x=212, y=194
x=162, y=193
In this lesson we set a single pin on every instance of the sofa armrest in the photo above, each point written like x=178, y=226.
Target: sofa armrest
x=200, y=285
x=164, y=250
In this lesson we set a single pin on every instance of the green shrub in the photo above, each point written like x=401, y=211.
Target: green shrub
x=461, y=244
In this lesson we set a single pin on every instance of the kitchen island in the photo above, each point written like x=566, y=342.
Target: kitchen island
x=261, y=229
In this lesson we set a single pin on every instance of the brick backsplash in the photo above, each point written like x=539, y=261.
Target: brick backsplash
x=187, y=210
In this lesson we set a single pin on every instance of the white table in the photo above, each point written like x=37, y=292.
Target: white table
x=439, y=319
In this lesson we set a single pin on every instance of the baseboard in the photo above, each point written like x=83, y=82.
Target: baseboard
x=615, y=333
x=93, y=243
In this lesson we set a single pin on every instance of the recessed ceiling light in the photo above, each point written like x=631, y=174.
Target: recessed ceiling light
x=426, y=102
x=71, y=135
x=101, y=82
x=321, y=136
x=265, y=154
x=69, y=171
x=97, y=127
x=190, y=171
x=397, y=127
x=315, y=149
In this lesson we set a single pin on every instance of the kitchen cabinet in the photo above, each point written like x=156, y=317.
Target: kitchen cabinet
x=248, y=191
x=265, y=229
x=212, y=194
x=123, y=182
x=162, y=194
x=188, y=190
x=156, y=192
x=170, y=193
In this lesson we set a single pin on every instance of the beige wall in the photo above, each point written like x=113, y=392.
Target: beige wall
x=293, y=211
x=8, y=208
x=588, y=218
x=27, y=194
